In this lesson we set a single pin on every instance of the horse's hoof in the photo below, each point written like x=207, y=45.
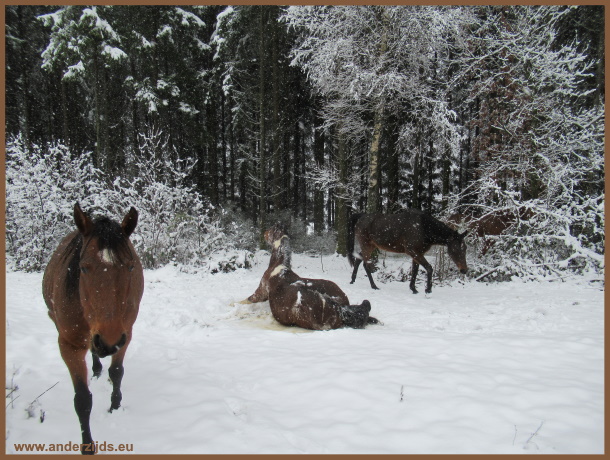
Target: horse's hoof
x=113, y=407
x=87, y=449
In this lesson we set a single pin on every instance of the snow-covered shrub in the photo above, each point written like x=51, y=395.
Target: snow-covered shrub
x=176, y=224
x=239, y=229
x=42, y=185
x=302, y=237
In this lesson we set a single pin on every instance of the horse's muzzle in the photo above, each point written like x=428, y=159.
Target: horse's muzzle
x=463, y=271
x=102, y=349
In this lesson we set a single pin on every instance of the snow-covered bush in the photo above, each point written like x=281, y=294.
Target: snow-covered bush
x=176, y=224
x=302, y=237
x=42, y=185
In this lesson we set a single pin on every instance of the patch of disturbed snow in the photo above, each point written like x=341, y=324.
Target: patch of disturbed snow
x=471, y=368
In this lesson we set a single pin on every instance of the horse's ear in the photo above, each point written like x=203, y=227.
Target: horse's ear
x=130, y=221
x=82, y=220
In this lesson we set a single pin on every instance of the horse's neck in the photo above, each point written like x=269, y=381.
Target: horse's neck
x=439, y=233
x=281, y=255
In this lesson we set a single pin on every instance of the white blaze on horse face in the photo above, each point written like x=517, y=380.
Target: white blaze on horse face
x=107, y=256
x=278, y=242
x=277, y=270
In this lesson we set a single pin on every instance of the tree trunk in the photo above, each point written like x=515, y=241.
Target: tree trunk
x=262, y=164
x=372, y=205
x=295, y=168
x=446, y=171
x=223, y=141
x=393, y=167
x=318, y=155
x=341, y=203
x=373, y=196
x=212, y=150
x=415, y=202
x=277, y=173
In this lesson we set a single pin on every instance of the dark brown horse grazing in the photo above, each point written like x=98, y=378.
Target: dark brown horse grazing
x=92, y=287
x=411, y=232
x=308, y=303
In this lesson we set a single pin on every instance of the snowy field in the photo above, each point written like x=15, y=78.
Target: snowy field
x=471, y=368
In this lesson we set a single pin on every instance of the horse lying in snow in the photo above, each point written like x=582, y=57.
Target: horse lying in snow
x=308, y=303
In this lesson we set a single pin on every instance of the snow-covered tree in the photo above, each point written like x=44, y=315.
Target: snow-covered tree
x=540, y=144
x=375, y=63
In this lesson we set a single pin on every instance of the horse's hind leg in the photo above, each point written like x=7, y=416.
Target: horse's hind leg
x=429, y=270
x=366, y=252
x=97, y=365
x=83, y=401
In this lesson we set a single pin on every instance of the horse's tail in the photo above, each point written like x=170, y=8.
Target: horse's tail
x=356, y=316
x=351, y=224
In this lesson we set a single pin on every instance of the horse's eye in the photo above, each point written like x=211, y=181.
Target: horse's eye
x=83, y=269
x=131, y=268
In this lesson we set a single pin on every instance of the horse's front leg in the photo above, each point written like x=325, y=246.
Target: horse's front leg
x=369, y=274
x=262, y=291
x=115, y=372
x=97, y=364
x=357, y=263
x=83, y=401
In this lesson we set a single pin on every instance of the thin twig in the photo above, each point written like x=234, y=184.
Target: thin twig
x=534, y=433
x=12, y=401
x=486, y=274
x=36, y=399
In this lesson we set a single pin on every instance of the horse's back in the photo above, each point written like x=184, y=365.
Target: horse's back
x=328, y=288
x=303, y=302
x=392, y=232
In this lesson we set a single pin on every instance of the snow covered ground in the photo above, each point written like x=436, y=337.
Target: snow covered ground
x=471, y=368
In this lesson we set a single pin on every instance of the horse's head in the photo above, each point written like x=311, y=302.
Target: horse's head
x=456, y=247
x=110, y=279
x=274, y=235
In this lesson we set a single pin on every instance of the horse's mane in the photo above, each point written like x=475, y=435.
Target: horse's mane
x=72, y=252
x=109, y=236
x=285, y=251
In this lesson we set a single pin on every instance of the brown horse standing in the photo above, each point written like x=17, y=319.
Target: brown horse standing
x=411, y=232
x=308, y=303
x=493, y=223
x=92, y=287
